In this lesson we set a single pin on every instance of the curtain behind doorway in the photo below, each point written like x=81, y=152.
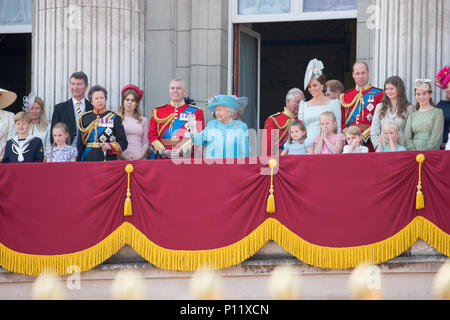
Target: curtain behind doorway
x=15, y=12
x=248, y=77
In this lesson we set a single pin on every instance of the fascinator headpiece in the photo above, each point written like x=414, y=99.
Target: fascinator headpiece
x=313, y=71
x=28, y=102
x=423, y=84
x=443, y=77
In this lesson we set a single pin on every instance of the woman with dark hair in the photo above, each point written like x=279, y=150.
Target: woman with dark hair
x=394, y=107
x=102, y=136
x=136, y=125
x=309, y=112
x=423, y=130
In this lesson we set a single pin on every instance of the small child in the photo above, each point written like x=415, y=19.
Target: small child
x=390, y=140
x=354, y=137
x=61, y=150
x=23, y=147
x=297, y=142
x=330, y=141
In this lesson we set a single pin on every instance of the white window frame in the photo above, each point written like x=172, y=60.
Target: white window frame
x=16, y=28
x=296, y=14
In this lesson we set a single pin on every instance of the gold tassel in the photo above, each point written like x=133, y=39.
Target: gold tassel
x=420, y=204
x=270, y=208
x=127, y=210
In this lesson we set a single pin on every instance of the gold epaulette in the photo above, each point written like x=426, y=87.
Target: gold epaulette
x=274, y=115
x=161, y=120
x=346, y=105
x=80, y=122
x=116, y=113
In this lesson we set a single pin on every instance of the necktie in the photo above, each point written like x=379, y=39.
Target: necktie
x=78, y=108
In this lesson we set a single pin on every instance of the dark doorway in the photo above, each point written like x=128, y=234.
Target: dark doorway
x=286, y=49
x=15, y=66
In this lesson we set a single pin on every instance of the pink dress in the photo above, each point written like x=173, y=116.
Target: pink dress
x=333, y=139
x=137, y=137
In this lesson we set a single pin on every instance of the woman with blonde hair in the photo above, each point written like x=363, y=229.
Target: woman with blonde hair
x=40, y=127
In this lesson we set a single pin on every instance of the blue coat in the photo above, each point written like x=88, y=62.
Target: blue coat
x=224, y=140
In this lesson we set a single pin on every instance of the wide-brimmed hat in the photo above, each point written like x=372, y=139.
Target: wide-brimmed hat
x=6, y=98
x=222, y=100
x=443, y=77
x=135, y=88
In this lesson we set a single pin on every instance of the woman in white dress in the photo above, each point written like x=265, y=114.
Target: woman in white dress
x=309, y=112
x=40, y=127
x=7, y=129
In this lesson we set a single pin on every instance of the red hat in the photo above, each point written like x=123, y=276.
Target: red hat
x=443, y=77
x=135, y=88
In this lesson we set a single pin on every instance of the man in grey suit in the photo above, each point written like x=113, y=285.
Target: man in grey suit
x=69, y=111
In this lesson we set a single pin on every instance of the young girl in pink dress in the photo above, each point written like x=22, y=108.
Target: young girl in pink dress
x=329, y=141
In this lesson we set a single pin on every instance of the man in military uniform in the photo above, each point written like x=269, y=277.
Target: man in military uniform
x=102, y=134
x=282, y=121
x=358, y=104
x=167, y=132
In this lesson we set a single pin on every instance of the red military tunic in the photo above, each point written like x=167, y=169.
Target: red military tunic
x=281, y=121
x=167, y=126
x=358, y=107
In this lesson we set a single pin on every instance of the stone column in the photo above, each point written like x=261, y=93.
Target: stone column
x=365, y=32
x=186, y=39
x=103, y=38
x=412, y=41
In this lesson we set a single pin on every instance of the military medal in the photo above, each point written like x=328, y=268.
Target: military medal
x=369, y=117
x=370, y=107
x=108, y=131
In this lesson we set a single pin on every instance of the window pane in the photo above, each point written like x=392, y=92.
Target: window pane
x=15, y=12
x=263, y=6
x=329, y=5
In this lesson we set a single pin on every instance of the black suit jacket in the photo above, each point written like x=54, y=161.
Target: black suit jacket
x=63, y=112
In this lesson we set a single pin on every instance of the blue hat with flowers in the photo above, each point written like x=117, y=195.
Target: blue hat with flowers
x=223, y=100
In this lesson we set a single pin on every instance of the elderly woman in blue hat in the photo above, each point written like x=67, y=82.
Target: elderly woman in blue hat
x=224, y=136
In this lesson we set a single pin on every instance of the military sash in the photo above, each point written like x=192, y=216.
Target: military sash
x=361, y=104
x=100, y=125
x=179, y=122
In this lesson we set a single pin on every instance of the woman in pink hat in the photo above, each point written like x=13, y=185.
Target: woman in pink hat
x=136, y=125
x=7, y=129
x=443, y=82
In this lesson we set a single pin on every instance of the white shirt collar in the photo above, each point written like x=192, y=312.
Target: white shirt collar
x=74, y=101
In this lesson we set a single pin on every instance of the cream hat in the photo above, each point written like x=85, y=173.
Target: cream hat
x=6, y=98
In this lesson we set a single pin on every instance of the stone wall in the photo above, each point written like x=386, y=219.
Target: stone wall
x=185, y=39
x=105, y=39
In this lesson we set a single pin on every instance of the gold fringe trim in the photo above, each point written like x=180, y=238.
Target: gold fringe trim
x=375, y=253
x=219, y=258
x=190, y=260
x=87, y=259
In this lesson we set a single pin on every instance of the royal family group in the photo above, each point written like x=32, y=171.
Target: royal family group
x=362, y=119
